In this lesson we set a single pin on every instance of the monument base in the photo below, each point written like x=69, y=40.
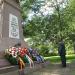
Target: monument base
x=5, y=43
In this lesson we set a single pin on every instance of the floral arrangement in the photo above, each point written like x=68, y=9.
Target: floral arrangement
x=18, y=56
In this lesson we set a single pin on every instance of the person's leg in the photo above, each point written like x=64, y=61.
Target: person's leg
x=63, y=60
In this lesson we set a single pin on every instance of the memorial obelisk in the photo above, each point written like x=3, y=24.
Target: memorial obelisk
x=11, y=31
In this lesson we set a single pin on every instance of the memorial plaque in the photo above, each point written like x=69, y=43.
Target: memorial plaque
x=13, y=26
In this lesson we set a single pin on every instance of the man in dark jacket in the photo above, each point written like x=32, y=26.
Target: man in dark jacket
x=62, y=53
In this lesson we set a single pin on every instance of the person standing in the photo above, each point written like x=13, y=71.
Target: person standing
x=62, y=52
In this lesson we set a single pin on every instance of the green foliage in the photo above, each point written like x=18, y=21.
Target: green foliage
x=26, y=5
x=44, y=50
x=50, y=28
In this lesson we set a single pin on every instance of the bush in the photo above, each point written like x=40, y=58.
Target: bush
x=44, y=50
x=53, y=54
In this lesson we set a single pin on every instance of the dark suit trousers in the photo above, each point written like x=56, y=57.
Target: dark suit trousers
x=63, y=60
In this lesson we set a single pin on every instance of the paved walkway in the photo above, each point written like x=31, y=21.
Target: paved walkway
x=52, y=69
x=56, y=69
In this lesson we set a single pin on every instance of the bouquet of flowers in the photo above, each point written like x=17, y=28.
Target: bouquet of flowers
x=18, y=56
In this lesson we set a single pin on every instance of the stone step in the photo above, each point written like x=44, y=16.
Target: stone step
x=4, y=62
x=13, y=70
x=8, y=69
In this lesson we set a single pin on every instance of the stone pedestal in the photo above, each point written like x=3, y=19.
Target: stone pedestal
x=10, y=25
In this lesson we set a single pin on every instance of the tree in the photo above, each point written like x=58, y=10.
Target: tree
x=42, y=28
x=71, y=21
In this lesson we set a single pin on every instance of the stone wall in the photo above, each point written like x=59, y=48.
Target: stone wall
x=9, y=7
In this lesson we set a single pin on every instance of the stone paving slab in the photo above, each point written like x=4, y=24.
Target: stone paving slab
x=11, y=73
x=50, y=69
x=56, y=69
x=13, y=70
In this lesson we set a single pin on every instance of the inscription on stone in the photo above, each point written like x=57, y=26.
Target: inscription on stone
x=13, y=26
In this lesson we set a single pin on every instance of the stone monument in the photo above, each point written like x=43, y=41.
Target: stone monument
x=10, y=25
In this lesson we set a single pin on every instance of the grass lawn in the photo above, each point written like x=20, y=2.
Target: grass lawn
x=54, y=59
